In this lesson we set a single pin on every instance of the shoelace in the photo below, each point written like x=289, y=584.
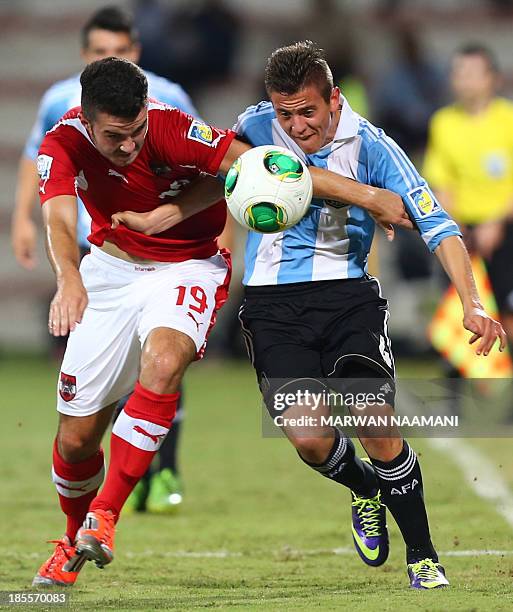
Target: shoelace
x=368, y=510
x=425, y=569
x=50, y=564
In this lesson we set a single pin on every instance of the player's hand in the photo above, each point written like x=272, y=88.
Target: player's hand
x=483, y=327
x=68, y=305
x=152, y=222
x=388, y=211
x=387, y=228
x=24, y=241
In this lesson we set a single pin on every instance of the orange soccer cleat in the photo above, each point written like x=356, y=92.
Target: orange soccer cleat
x=95, y=539
x=62, y=567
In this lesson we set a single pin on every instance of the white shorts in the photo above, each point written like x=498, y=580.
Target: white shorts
x=126, y=302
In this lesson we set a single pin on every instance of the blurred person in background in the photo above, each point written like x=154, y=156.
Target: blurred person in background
x=195, y=43
x=109, y=32
x=469, y=162
x=403, y=101
x=407, y=95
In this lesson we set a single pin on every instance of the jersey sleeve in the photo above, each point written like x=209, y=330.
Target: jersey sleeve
x=437, y=167
x=254, y=125
x=56, y=171
x=390, y=168
x=190, y=142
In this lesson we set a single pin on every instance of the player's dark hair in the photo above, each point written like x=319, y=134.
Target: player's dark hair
x=113, y=86
x=112, y=19
x=291, y=69
x=482, y=51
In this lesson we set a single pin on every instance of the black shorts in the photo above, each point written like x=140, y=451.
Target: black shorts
x=499, y=271
x=318, y=330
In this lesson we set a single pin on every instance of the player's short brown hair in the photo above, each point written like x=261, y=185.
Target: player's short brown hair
x=291, y=69
x=113, y=86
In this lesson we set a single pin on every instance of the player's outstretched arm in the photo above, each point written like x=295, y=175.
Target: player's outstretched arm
x=70, y=300
x=23, y=228
x=199, y=195
x=195, y=197
x=385, y=206
x=454, y=258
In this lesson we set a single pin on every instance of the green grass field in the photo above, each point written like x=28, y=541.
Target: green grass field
x=257, y=530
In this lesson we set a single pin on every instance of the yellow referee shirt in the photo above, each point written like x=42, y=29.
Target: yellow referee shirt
x=471, y=157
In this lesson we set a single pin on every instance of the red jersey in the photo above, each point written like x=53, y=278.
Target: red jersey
x=177, y=148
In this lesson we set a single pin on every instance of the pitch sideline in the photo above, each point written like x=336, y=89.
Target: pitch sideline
x=480, y=473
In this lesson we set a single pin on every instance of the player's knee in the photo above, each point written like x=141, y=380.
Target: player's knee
x=162, y=370
x=382, y=449
x=312, y=449
x=166, y=355
x=75, y=446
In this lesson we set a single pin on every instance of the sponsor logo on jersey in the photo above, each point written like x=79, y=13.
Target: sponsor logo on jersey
x=67, y=387
x=423, y=201
x=81, y=181
x=118, y=174
x=201, y=132
x=174, y=188
x=44, y=164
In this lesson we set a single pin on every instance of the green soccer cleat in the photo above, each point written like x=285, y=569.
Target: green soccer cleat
x=427, y=574
x=136, y=501
x=165, y=496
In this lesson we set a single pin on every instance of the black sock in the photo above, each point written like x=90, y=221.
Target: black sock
x=344, y=467
x=400, y=481
x=168, y=452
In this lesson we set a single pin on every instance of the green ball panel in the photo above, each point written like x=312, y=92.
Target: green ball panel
x=265, y=217
x=231, y=178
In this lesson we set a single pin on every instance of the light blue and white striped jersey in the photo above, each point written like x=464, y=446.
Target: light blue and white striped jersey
x=332, y=241
x=63, y=95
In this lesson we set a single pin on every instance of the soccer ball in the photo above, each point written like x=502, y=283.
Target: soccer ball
x=268, y=189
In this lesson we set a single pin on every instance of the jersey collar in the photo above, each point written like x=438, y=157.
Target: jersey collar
x=348, y=123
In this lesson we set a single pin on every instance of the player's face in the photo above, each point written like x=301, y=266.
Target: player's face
x=306, y=116
x=103, y=43
x=119, y=140
x=472, y=79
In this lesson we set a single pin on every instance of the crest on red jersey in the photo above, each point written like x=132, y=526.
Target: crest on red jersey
x=67, y=387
